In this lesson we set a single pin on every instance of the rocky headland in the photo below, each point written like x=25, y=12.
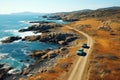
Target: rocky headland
x=45, y=59
x=41, y=27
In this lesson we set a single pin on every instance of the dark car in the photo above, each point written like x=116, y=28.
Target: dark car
x=81, y=52
x=84, y=45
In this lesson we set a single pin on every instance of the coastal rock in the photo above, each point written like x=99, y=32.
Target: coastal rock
x=61, y=42
x=59, y=38
x=63, y=50
x=26, y=71
x=44, y=56
x=54, y=17
x=44, y=16
x=41, y=27
x=70, y=19
x=4, y=70
x=31, y=38
x=38, y=53
x=1, y=65
x=11, y=39
x=52, y=54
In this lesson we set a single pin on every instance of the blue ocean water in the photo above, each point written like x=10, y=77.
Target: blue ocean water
x=15, y=53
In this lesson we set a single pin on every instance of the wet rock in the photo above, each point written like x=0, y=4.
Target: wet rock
x=37, y=53
x=44, y=16
x=26, y=71
x=4, y=70
x=1, y=65
x=11, y=39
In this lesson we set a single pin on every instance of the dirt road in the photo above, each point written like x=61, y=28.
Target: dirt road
x=79, y=71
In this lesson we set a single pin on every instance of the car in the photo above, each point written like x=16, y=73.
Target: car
x=84, y=45
x=81, y=52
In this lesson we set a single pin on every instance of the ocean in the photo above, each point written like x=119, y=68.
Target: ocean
x=15, y=54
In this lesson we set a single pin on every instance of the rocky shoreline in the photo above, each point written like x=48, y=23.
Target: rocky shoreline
x=45, y=59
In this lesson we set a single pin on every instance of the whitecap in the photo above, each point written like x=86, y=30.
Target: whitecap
x=28, y=33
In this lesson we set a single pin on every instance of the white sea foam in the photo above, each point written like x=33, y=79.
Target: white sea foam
x=2, y=56
x=28, y=33
x=14, y=71
x=22, y=34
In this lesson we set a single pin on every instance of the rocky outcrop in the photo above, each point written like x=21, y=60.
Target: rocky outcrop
x=44, y=54
x=69, y=19
x=11, y=39
x=54, y=17
x=38, y=53
x=59, y=38
x=32, y=38
x=4, y=71
x=41, y=27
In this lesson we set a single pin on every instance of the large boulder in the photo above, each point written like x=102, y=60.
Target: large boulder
x=37, y=53
x=11, y=39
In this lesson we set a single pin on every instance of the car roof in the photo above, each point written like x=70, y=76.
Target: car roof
x=80, y=48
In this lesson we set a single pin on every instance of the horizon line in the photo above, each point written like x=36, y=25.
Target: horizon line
x=53, y=12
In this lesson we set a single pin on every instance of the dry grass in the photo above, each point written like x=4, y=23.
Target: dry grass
x=105, y=59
